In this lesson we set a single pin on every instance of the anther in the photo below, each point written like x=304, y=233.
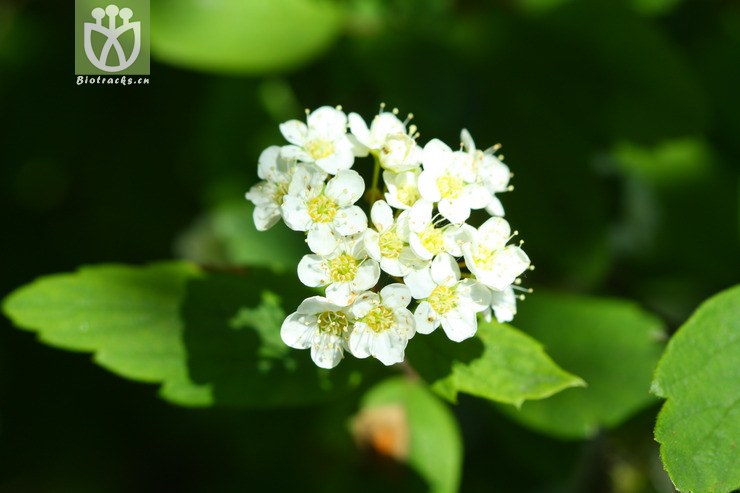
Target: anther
x=500, y=157
x=510, y=188
x=308, y=112
x=395, y=111
x=531, y=267
x=518, y=281
x=339, y=107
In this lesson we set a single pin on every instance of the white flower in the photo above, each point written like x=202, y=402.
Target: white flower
x=388, y=242
x=486, y=169
x=327, y=212
x=387, y=139
x=503, y=304
x=487, y=256
x=323, y=141
x=403, y=191
x=427, y=240
x=267, y=196
x=383, y=324
x=345, y=273
x=321, y=326
x=443, y=182
x=446, y=300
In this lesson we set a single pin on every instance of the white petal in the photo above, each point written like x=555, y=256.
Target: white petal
x=381, y=215
x=478, y=196
x=420, y=283
x=394, y=267
x=504, y=304
x=436, y=155
x=426, y=319
x=327, y=351
x=386, y=124
x=312, y=271
x=364, y=303
x=367, y=276
x=350, y=221
x=428, y=188
x=340, y=293
x=456, y=236
x=295, y=213
x=386, y=350
x=322, y=239
x=292, y=152
x=361, y=340
x=316, y=304
x=444, y=270
x=341, y=159
x=495, y=207
x=467, y=140
x=456, y=211
x=265, y=217
x=420, y=215
x=328, y=122
x=267, y=163
x=359, y=129
x=473, y=295
x=396, y=296
x=294, y=132
x=494, y=233
x=459, y=325
x=346, y=188
x=358, y=149
x=298, y=330
x=371, y=240
x=508, y=264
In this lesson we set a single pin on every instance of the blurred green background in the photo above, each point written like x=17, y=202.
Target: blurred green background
x=620, y=120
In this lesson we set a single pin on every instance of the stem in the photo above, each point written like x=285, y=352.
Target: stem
x=374, y=194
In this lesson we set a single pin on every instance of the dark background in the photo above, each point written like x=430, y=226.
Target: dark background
x=621, y=124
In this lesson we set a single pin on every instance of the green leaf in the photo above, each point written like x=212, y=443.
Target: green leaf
x=209, y=339
x=226, y=237
x=238, y=36
x=612, y=344
x=699, y=375
x=420, y=428
x=501, y=364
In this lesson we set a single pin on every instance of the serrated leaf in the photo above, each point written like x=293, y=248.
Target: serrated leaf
x=415, y=427
x=612, y=344
x=699, y=375
x=209, y=339
x=501, y=364
x=237, y=36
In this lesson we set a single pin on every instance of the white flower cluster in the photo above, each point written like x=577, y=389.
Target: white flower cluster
x=417, y=244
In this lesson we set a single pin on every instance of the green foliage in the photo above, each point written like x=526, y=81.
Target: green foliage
x=237, y=36
x=612, y=344
x=226, y=237
x=501, y=364
x=434, y=441
x=209, y=339
x=699, y=425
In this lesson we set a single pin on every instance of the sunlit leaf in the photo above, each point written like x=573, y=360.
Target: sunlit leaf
x=699, y=375
x=501, y=364
x=208, y=339
x=252, y=36
x=612, y=344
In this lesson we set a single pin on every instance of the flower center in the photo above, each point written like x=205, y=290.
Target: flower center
x=379, y=319
x=333, y=322
x=408, y=195
x=319, y=149
x=343, y=268
x=281, y=190
x=442, y=299
x=390, y=244
x=450, y=187
x=322, y=209
x=431, y=239
x=484, y=258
